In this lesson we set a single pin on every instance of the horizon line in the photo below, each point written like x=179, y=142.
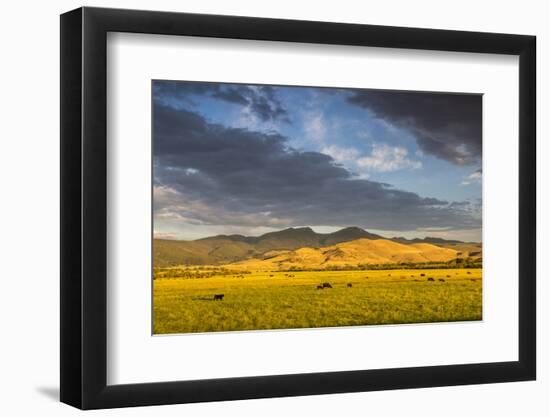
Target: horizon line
x=173, y=236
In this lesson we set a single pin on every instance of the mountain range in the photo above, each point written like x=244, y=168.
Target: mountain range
x=351, y=245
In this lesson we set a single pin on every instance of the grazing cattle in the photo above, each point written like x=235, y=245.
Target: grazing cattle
x=473, y=280
x=468, y=272
x=448, y=276
x=319, y=287
x=422, y=275
x=431, y=279
x=389, y=275
x=350, y=285
x=271, y=275
x=218, y=297
x=326, y=285
x=441, y=280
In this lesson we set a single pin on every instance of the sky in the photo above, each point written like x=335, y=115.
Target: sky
x=250, y=159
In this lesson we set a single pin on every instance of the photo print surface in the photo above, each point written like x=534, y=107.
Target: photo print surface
x=286, y=207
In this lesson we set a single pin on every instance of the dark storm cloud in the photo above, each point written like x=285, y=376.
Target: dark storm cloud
x=447, y=126
x=261, y=100
x=460, y=204
x=210, y=174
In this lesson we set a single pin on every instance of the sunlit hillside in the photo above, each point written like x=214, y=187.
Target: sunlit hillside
x=356, y=252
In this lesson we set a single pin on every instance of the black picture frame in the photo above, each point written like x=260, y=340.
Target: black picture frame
x=84, y=207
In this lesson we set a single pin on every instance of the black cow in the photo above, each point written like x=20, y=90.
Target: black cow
x=431, y=279
x=326, y=285
x=218, y=297
x=319, y=287
x=350, y=285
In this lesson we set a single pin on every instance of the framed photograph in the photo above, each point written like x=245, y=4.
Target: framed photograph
x=259, y=208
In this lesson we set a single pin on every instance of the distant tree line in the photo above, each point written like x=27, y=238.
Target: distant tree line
x=211, y=271
x=454, y=263
x=198, y=272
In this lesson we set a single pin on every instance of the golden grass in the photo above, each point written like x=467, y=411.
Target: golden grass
x=360, y=251
x=284, y=300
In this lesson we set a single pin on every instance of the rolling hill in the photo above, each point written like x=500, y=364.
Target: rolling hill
x=353, y=253
x=199, y=252
x=222, y=249
x=225, y=249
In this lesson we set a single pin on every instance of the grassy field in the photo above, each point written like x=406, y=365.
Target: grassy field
x=283, y=300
